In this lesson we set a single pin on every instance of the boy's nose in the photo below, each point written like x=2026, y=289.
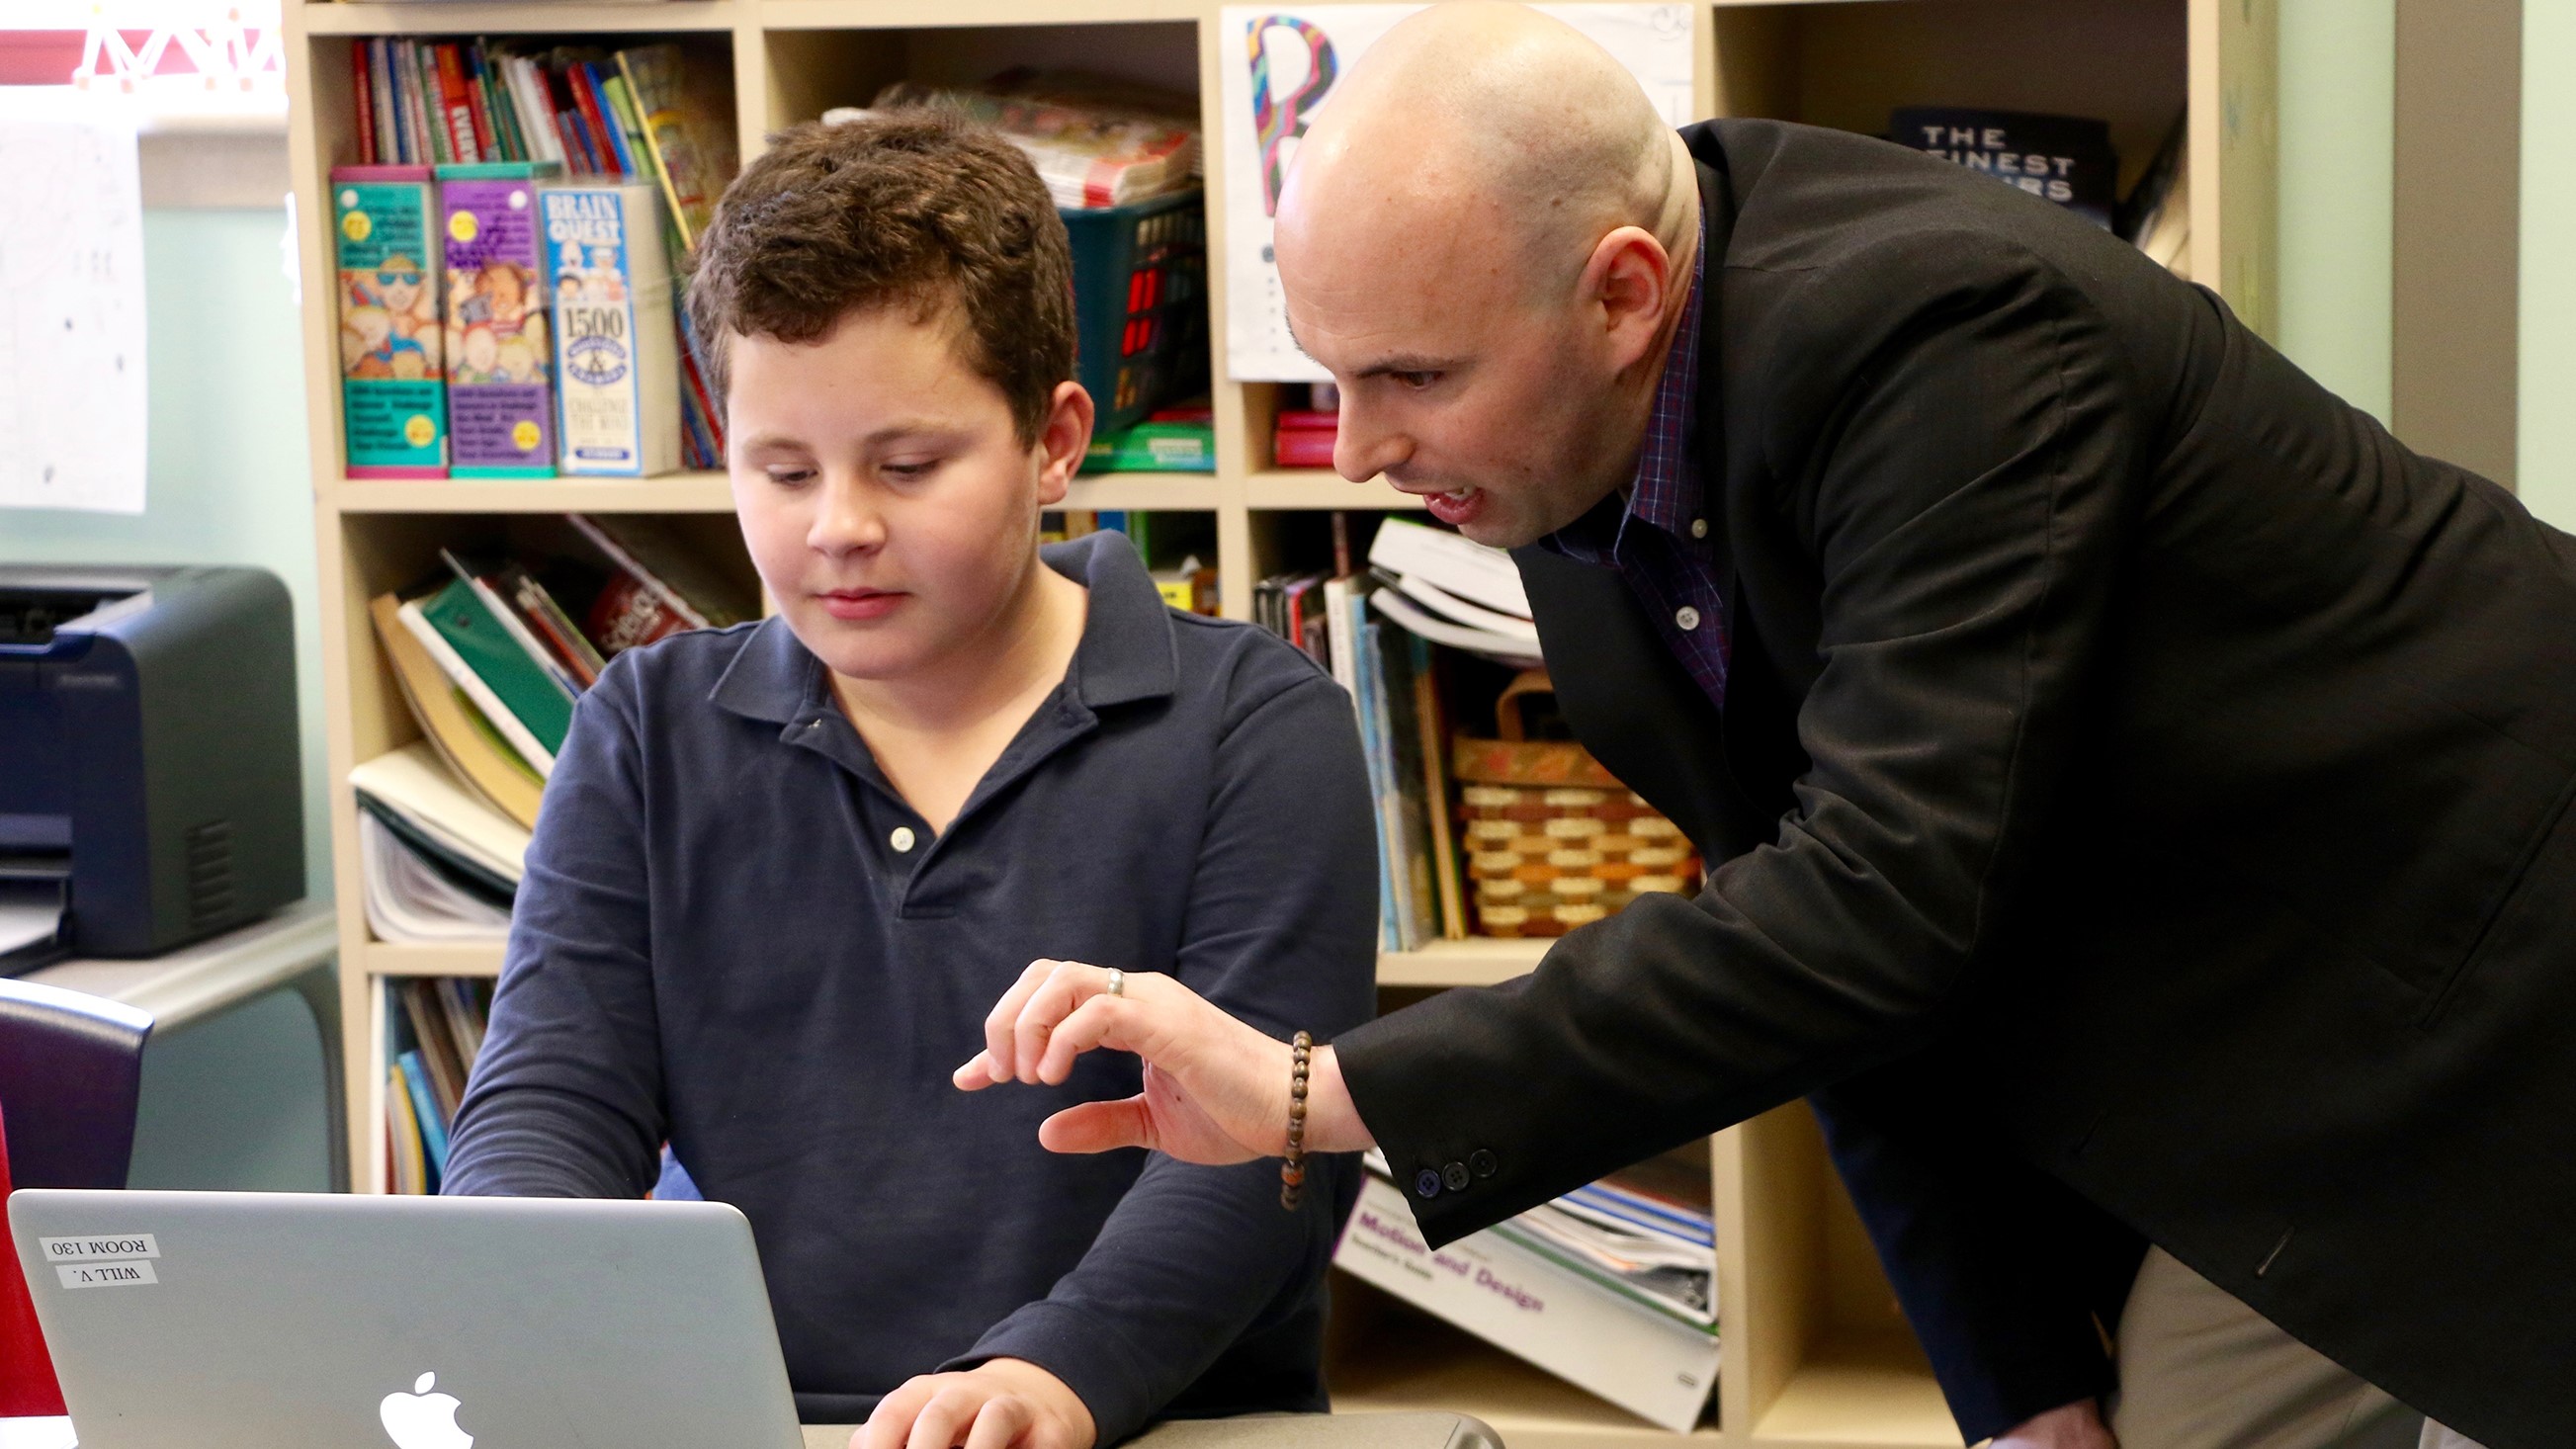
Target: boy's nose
x=847, y=520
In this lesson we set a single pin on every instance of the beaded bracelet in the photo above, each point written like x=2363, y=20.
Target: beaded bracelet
x=1292, y=1173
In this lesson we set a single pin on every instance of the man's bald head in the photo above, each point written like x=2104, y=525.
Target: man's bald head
x=1491, y=116
x=1487, y=239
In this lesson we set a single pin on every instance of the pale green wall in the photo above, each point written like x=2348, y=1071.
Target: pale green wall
x=2545, y=445
x=226, y=480
x=2338, y=142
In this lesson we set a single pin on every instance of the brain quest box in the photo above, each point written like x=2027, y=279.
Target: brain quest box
x=616, y=344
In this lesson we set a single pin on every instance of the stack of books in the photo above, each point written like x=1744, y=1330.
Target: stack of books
x=490, y=656
x=1611, y=1287
x=1304, y=435
x=436, y=1029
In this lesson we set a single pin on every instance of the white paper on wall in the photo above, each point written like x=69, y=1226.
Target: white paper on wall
x=72, y=423
x=1281, y=63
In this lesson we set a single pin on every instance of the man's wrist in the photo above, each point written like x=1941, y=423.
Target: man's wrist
x=1332, y=1120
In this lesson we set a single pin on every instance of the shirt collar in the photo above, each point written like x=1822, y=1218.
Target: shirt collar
x=1126, y=653
x=1663, y=491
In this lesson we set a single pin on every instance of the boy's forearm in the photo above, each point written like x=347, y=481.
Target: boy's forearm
x=1192, y=1259
x=535, y=1142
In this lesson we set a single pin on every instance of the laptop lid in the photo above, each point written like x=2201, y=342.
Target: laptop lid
x=247, y=1320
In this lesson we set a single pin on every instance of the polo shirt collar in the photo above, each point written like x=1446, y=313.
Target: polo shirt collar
x=1127, y=651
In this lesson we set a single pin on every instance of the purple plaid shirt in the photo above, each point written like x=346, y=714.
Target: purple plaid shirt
x=1659, y=540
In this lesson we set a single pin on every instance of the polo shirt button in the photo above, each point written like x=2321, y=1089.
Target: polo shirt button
x=1483, y=1163
x=1454, y=1177
x=1426, y=1183
x=1699, y=528
x=1687, y=617
x=902, y=839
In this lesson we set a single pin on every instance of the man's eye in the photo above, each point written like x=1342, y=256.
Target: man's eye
x=1414, y=381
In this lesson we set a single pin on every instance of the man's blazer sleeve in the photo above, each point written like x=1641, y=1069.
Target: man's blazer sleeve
x=1954, y=454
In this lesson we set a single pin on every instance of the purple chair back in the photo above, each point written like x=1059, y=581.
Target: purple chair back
x=71, y=1067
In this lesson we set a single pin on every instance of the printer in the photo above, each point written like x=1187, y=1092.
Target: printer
x=150, y=791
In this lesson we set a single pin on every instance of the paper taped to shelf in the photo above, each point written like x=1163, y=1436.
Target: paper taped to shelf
x=1648, y=1363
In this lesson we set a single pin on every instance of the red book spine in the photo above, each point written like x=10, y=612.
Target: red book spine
x=478, y=110
x=455, y=106
x=594, y=116
x=1303, y=448
x=559, y=103
x=1308, y=420
x=363, y=101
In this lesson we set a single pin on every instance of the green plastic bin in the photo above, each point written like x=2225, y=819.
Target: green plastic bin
x=1140, y=305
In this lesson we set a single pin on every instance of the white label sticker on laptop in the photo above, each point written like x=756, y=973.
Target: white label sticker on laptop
x=107, y=1275
x=101, y=1245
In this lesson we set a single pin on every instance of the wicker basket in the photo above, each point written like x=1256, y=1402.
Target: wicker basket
x=1552, y=840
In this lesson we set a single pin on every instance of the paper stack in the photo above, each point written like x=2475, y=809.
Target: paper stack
x=1451, y=590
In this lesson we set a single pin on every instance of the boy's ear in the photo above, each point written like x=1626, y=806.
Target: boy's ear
x=1062, y=441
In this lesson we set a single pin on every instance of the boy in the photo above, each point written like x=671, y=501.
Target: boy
x=784, y=868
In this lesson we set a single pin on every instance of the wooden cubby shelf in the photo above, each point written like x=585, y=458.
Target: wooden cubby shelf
x=1815, y=1354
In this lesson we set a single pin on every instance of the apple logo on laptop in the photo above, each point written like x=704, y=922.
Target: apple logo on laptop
x=423, y=1420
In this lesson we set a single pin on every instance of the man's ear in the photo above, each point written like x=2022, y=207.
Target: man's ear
x=1062, y=440
x=1630, y=281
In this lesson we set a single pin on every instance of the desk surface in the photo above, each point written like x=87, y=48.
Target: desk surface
x=1265, y=1431
x=1278, y=1431
x=196, y=981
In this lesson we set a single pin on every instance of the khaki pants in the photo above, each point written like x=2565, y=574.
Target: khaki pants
x=2199, y=1370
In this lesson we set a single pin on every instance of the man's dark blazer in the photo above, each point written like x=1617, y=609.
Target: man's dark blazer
x=2116, y=720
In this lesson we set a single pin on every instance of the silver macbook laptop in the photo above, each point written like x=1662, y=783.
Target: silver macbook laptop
x=253, y=1320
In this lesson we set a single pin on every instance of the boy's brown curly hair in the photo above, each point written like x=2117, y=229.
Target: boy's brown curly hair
x=917, y=208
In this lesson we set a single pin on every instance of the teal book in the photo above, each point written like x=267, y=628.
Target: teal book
x=486, y=646
x=424, y=1106
x=393, y=382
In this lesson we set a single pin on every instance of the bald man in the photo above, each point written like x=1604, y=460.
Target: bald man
x=2137, y=782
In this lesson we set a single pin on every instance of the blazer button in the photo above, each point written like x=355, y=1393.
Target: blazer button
x=1426, y=1183
x=1454, y=1176
x=1483, y=1163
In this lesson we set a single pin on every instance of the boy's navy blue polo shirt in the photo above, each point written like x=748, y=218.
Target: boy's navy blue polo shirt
x=735, y=935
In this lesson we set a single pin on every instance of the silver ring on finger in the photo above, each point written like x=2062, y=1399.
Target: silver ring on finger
x=1117, y=982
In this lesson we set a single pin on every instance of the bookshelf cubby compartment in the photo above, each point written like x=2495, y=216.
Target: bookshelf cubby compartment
x=1814, y=1353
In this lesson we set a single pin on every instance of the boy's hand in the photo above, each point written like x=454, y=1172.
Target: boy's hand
x=1003, y=1403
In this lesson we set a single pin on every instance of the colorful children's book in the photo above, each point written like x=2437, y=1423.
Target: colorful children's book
x=393, y=388
x=616, y=350
x=500, y=395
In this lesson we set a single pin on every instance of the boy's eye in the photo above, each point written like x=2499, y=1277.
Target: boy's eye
x=910, y=472
x=1414, y=381
x=789, y=477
